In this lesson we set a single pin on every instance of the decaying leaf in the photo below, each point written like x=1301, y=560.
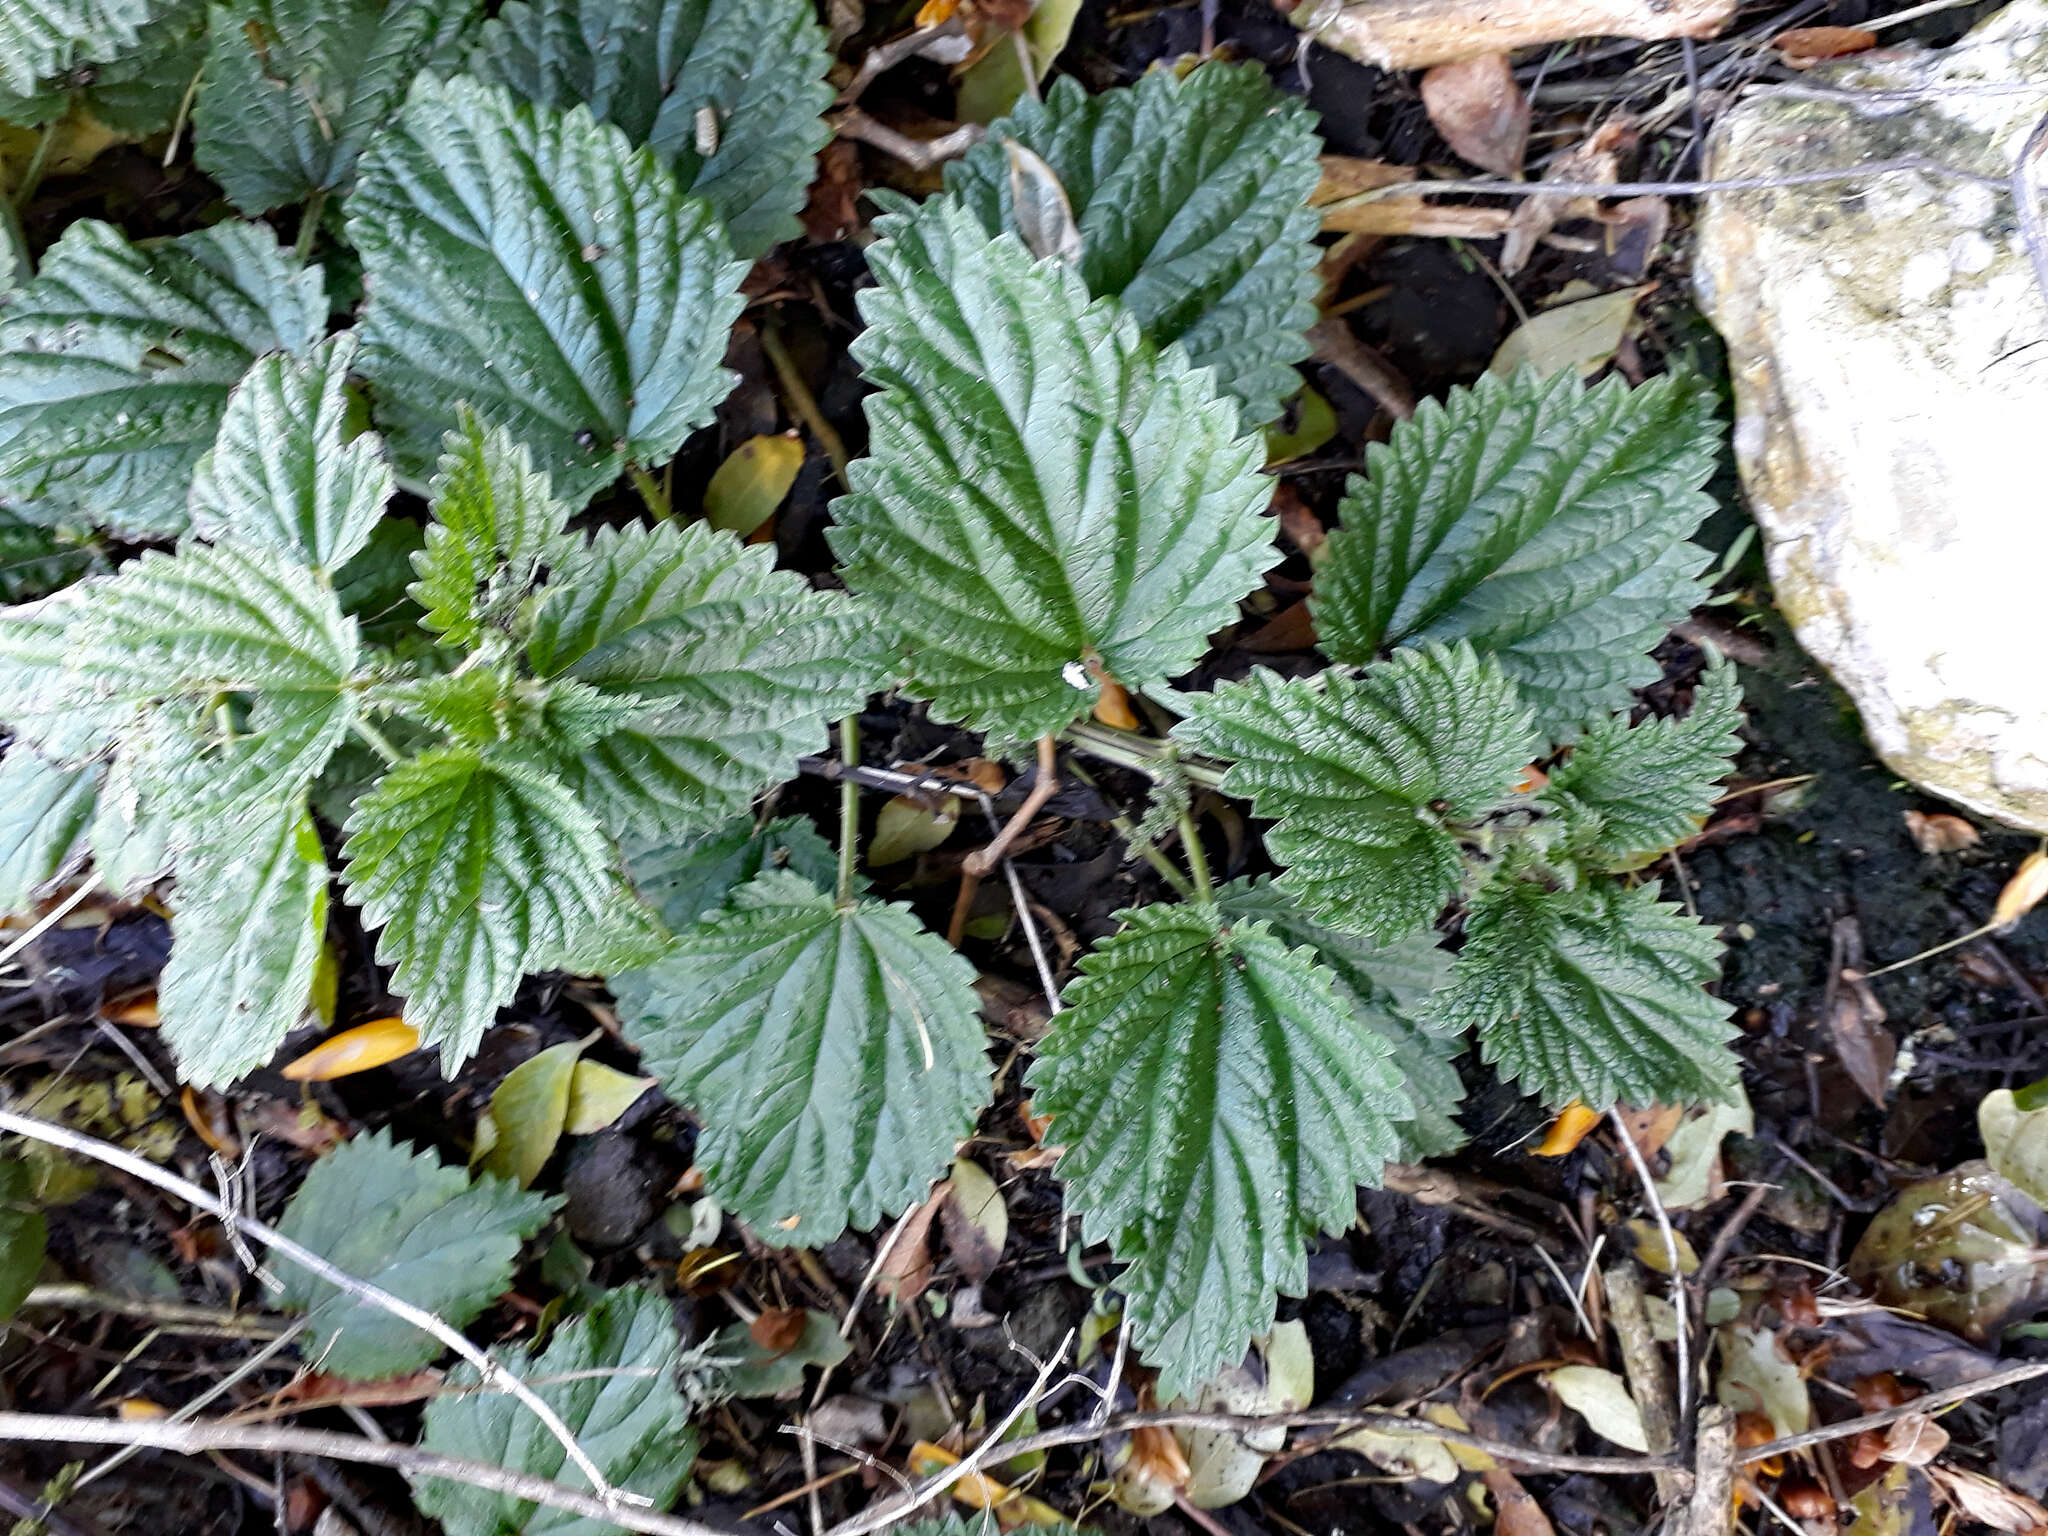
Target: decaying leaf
x=1695, y=1151
x=1571, y=1127
x=1148, y=1471
x=1278, y=1376
x=975, y=1220
x=1581, y=335
x=755, y=478
x=1804, y=47
x=1517, y=1512
x=1866, y=1049
x=1757, y=1376
x=1602, y=1399
x=1480, y=110
x=2023, y=892
x=1961, y=1250
x=1418, y=1456
x=1646, y=1241
x=375, y=1044
x=978, y=1490
x=1534, y=217
x=906, y=1269
x=598, y=1095
x=1915, y=1440
x=1985, y=1500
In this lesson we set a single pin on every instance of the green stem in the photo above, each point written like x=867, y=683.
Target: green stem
x=651, y=492
x=1138, y=842
x=375, y=739
x=803, y=405
x=1198, y=861
x=1141, y=754
x=309, y=223
x=38, y=161
x=849, y=806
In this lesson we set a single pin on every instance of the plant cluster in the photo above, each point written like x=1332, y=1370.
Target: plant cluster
x=538, y=734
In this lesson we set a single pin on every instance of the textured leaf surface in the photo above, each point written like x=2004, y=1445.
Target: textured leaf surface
x=1384, y=986
x=295, y=89
x=23, y=1236
x=1189, y=193
x=133, y=89
x=287, y=471
x=495, y=524
x=478, y=866
x=1542, y=521
x=538, y=267
x=1045, y=494
x=611, y=1376
x=35, y=560
x=1632, y=792
x=44, y=812
x=739, y=665
x=43, y=699
x=689, y=879
x=116, y=363
x=412, y=1226
x=1219, y=1105
x=249, y=920
x=1365, y=773
x=1595, y=994
x=835, y=1056
x=41, y=37
x=655, y=67
x=167, y=635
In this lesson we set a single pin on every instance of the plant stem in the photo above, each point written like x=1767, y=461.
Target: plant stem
x=849, y=806
x=803, y=405
x=38, y=161
x=309, y=223
x=1198, y=861
x=1139, y=843
x=1141, y=754
x=376, y=740
x=651, y=492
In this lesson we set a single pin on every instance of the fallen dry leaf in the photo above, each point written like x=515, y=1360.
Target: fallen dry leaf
x=1863, y=1045
x=1940, y=833
x=1593, y=161
x=1480, y=110
x=975, y=1220
x=2024, y=891
x=1988, y=1501
x=1406, y=215
x=1518, y=1514
x=1915, y=1440
x=375, y=1044
x=1804, y=47
x=1570, y=1128
x=1348, y=175
x=907, y=1268
x=1113, y=706
x=778, y=1329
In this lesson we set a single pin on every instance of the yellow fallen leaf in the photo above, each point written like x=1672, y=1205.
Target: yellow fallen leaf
x=2024, y=891
x=374, y=1044
x=977, y=1490
x=133, y=1410
x=754, y=480
x=140, y=1014
x=1568, y=1130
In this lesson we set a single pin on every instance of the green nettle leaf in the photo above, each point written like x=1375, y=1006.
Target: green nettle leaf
x=117, y=361
x=1046, y=499
x=611, y=1376
x=39, y=38
x=43, y=699
x=1542, y=521
x=1634, y=792
x=537, y=266
x=730, y=94
x=1367, y=774
x=23, y=1235
x=287, y=472
x=1219, y=1104
x=688, y=880
x=478, y=866
x=738, y=666
x=134, y=90
x=173, y=634
x=35, y=560
x=495, y=525
x=250, y=917
x=412, y=1226
x=44, y=812
x=1595, y=994
x=296, y=89
x=1385, y=986
x=835, y=1055
x=1190, y=195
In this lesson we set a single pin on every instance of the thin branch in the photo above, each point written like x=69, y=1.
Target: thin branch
x=197, y=1438
x=281, y=1246
x=1930, y=1402
x=1635, y=1155
x=167, y=1316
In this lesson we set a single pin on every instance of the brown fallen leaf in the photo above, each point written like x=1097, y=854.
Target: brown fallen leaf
x=1480, y=110
x=1865, y=1048
x=1988, y=1501
x=1404, y=215
x=976, y=1221
x=907, y=1268
x=2024, y=891
x=1940, y=833
x=1348, y=175
x=1518, y=1513
x=1113, y=706
x=1915, y=1440
x=1570, y=1128
x=778, y=1329
x=1596, y=160
x=1804, y=47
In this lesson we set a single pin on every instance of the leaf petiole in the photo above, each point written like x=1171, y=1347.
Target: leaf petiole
x=375, y=740
x=849, y=806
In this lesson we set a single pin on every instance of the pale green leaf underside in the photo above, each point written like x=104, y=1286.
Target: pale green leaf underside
x=117, y=361
x=246, y=932
x=134, y=88
x=1544, y=522
x=295, y=89
x=496, y=522
x=655, y=67
x=1218, y=1105
x=287, y=472
x=611, y=1376
x=39, y=38
x=1044, y=493
x=43, y=700
x=1596, y=994
x=536, y=266
x=1631, y=792
x=479, y=867
x=1190, y=196
x=1362, y=774
x=411, y=1226
x=45, y=810
x=738, y=666
x=834, y=1056
x=1384, y=986
x=687, y=880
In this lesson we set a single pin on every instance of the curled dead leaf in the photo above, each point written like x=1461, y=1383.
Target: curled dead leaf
x=778, y=1329
x=1571, y=1127
x=1915, y=1440
x=1940, y=833
x=1480, y=110
x=1988, y=1501
x=1804, y=47
x=2024, y=891
x=375, y=1044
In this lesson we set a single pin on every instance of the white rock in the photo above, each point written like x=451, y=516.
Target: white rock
x=1889, y=346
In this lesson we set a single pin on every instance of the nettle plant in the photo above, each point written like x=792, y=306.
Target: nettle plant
x=531, y=738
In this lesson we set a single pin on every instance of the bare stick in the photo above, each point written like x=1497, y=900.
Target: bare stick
x=1713, y=1502
x=494, y=1374
x=1639, y=1357
x=1047, y=784
x=195, y=1439
x=1412, y=34
x=1635, y=1155
x=1927, y=1403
